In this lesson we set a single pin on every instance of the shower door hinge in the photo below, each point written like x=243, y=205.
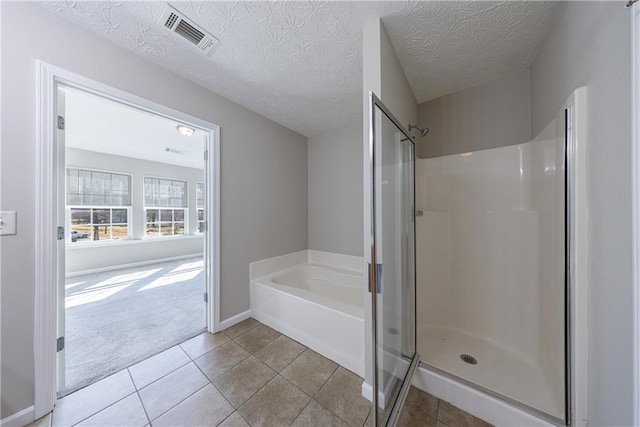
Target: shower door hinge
x=206, y=155
x=60, y=344
x=60, y=233
x=60, y=122
x=206, y=297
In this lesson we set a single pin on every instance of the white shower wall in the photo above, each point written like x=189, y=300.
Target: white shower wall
x=490, y=252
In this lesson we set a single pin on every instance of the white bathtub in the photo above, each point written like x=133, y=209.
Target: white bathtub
x=315, y=298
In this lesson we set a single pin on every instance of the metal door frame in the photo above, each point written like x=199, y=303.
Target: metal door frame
x=375, y=269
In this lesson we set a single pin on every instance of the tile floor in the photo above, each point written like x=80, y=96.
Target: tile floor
x=247, y=375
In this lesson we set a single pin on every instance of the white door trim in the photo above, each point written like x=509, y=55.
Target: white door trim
x=635, y=125
x=48, y=78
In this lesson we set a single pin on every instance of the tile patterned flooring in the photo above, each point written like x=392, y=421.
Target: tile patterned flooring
x=247, y=375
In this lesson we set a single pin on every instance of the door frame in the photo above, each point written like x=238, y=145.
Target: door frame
x=48, y=78
x=375, y=270
x=635, y=147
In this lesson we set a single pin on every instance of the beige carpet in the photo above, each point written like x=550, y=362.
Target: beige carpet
x=118, y=318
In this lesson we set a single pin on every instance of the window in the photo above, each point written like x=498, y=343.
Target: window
x=200, y=196
x=166, y=205
x=98, y=205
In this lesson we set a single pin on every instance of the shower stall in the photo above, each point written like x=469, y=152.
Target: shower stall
x=470, y=279
x=490, y=237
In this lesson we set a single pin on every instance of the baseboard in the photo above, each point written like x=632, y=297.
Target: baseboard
x=235, y=319
x=367, y=393
x=131, y=265
x=19, y=419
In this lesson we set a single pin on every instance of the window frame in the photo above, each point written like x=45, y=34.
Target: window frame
x=69, y=207
x=111, y=224
x=159, y=222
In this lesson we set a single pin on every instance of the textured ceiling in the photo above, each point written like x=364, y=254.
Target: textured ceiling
x=300, y=63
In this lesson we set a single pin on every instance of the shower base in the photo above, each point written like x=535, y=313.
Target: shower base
x=496, y=370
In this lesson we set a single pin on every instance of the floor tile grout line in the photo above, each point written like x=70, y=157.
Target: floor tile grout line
x=211, y=381
x=208, y=351
x=301, y=410
x=241, y=416
x=247, y=350
x=338, y=416
x=172, y=407
x=251, y=327
x=313, y=398
x=97, y=412
x=228, y=416
x=326, y=381
x=159, y=378
x=139, y=398
x=257, y=391
x=305, y=407
x=264, y=386
x=297, y=388
x=295, y=358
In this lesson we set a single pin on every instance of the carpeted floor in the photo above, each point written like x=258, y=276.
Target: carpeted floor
x=118, y=318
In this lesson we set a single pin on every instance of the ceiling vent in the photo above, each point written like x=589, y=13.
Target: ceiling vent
x=180, y=24
x=174, y=151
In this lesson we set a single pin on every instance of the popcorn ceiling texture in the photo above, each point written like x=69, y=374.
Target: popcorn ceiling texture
x=300, y=63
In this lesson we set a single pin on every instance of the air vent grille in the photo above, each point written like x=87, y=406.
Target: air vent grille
x=181, y=25
x=174, y=151
x=189, y=32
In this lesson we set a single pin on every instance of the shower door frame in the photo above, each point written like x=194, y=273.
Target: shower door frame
x=375, y=269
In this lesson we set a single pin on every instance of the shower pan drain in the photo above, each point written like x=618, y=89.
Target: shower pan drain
x=467, y=358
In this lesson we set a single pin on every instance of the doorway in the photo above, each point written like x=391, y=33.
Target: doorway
x=134, y=235
x=115, y=217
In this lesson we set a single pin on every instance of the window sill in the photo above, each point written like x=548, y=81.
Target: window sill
x=89, y=244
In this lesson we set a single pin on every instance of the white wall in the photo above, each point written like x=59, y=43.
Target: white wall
x=335, y=190
x=589, y=44
x=81, y=256
x=263, y=171
x=382, y=74
x=491, y=115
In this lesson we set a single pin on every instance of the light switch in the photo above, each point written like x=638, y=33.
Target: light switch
x=7, y=223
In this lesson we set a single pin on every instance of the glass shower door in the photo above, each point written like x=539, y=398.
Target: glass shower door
x=393, y=274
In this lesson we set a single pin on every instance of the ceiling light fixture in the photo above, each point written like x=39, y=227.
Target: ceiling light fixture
x=185, y=130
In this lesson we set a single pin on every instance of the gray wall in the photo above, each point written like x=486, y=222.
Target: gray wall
x=335, y=190
x=589, y=44
x=491, y=115
x=263, y=171
x=87, y=256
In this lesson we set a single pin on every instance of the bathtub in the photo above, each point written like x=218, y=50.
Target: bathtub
x=315, y=298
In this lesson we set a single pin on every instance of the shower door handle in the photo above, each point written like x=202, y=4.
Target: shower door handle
x=375, y=278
